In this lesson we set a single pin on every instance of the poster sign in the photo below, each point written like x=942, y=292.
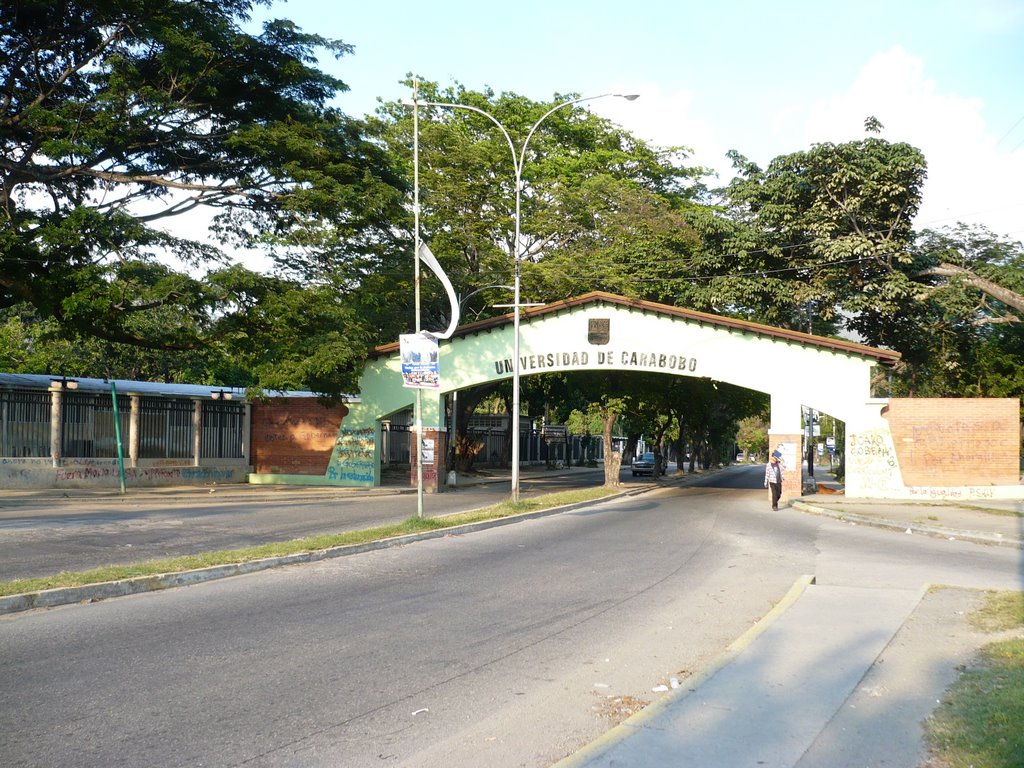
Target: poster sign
x=420, y=369
x=787, y=456
x=427, y=448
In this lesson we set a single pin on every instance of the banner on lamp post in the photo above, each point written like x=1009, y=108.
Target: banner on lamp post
x=420, y=369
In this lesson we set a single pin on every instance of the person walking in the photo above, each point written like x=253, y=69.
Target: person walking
x=773, y=479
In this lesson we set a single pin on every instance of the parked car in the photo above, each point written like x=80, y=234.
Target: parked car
x=644, y=465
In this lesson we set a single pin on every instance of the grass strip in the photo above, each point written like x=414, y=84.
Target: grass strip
x=297, y=546
x=978, y=724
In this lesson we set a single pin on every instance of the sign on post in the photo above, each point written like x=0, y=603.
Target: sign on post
x=554, y=433
x=420, y=369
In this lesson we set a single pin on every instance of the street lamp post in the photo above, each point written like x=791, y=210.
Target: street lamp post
x=518, y=162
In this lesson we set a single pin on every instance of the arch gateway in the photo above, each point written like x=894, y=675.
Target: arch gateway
x=600, y=331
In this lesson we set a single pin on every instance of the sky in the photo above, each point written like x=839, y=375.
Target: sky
x=764, y=79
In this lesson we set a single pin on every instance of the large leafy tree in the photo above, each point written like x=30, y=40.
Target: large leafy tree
x=593, y=401
x=117, y=116
x=638, y=243
x=823, y=234
x=587, y=184
x=31, y=344
x=822, y=241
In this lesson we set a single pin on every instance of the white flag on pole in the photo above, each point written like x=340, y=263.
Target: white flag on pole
x=430, y=260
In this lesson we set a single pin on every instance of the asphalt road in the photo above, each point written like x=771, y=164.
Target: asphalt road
x=737, y=477
x=47, y=536
x=513, y=646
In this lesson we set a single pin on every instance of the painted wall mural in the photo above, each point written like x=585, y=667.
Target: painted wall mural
x=355, y=456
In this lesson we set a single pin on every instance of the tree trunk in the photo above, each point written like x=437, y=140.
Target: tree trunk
x=467, y=448
x=612, y=459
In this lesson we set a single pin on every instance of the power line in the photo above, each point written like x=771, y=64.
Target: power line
x=1012, y=129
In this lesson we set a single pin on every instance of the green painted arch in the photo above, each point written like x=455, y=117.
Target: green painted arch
x=606, y=332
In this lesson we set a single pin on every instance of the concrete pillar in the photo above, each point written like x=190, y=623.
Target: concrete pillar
x=786, y=435
x=246, y=433
x=134, y=431
x=197, y=432
x=56, y=425
x=791, y=448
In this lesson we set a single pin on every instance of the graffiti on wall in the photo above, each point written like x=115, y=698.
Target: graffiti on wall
x=147, y=474
x=962, y=452
x=871, y=463
x=294, y=436
x=101, y=475
x=355, y=457
x=944, y=494
x=311, y=432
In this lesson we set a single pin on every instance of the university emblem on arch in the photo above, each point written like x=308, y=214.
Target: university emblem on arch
x=599, y=330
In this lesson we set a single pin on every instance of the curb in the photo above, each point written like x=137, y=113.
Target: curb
x=935, y=531
x=640, y=720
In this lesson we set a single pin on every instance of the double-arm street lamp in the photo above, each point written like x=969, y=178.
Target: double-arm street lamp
x=518, y=162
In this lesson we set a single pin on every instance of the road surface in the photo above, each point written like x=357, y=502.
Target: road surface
x=513, y=646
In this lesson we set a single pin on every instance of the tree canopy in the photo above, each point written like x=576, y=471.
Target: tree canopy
x=120, y=115
x=587, y=184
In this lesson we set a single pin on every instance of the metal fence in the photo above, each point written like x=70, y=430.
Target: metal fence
x=222, y=431
x=396, y=444
x=24, y=424
x=166, y=429
x=88, y=425
x=494, y=451
x=166, y=426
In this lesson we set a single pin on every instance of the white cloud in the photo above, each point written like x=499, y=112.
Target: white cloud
x=667, y=120
x=971, y=178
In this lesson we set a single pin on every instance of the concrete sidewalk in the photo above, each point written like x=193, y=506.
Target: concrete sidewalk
x=764, y=701
x=770, y=697
x=994, y=522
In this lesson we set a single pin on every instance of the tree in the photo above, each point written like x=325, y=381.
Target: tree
x=465, y=448
x=822, y=241
x=29, y=344
x=119, y=116
x=639, y=244
x=592, y=404
x=825, y=232
x=579, y=170
x=975, y=260
x=966, y=318
x=713, y=414
x=752, y=435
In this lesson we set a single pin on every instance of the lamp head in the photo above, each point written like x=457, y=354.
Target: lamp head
x=64, y=383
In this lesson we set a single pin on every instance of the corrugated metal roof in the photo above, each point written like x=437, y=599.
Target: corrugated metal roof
x=125, y=387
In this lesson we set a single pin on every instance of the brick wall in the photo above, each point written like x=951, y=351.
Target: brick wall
x=433, y=465
x=294, y=435
x=956, y=442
